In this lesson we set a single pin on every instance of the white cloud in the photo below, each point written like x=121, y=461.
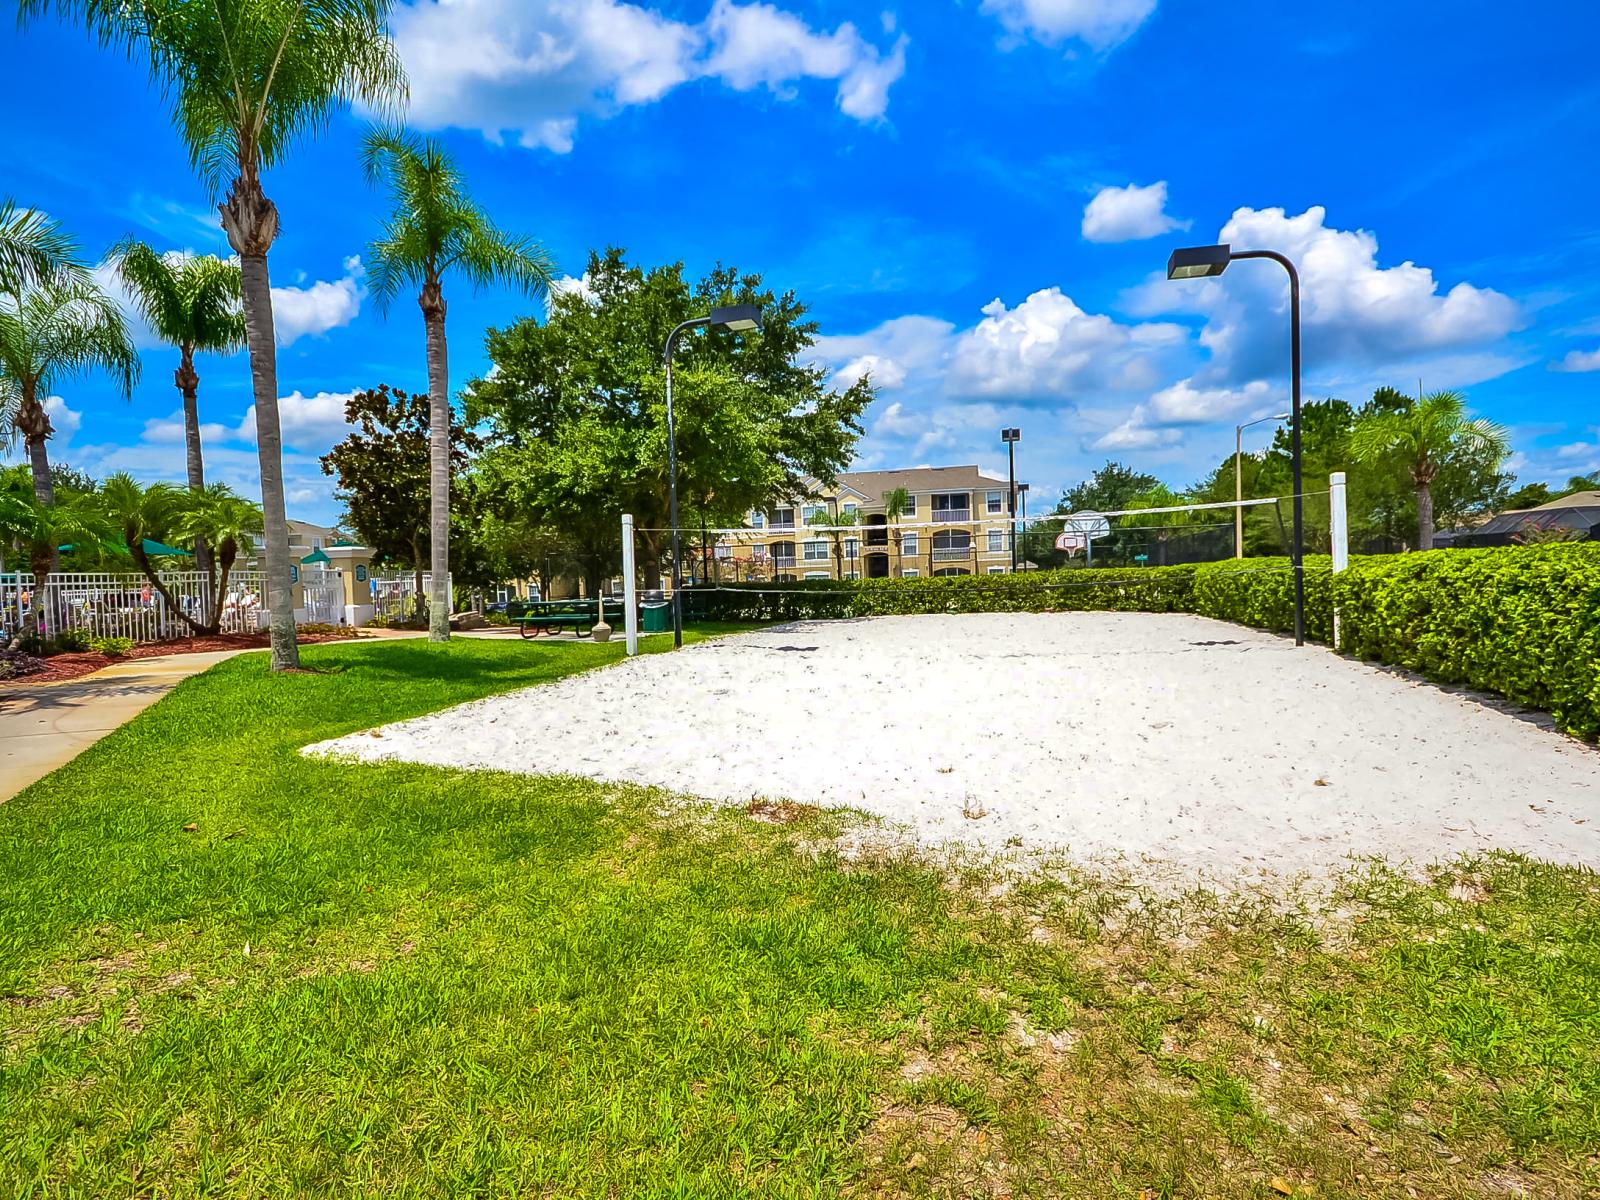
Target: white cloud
x=1126, y=214
x=310, y=423
x=895, y=421
x=529, y=71
x=1098, y=24
x=1185, y=404
x=65, y=421
x=892, y=353
x=1049, y=347
x=169, y=431
x=1133, y=434
x=299, y=312
x=759, y=45
x=1579, y=360
x=1355, y=312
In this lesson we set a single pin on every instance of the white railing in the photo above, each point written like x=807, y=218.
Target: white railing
x=951, y=553
x=115, y=604
x=953, y=515
x=394, y=596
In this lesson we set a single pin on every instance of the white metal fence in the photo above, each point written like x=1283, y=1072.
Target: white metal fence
x=108, y=604
x=323, y=592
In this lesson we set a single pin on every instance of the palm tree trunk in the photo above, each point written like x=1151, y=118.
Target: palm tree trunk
x=34, y=424
x=251, y=221
x=433, y=310
x=1424, y=516
x=142, y=561
x=188, y=384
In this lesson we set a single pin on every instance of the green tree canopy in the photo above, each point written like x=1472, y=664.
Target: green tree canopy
x=576, y=414
x=383, y=471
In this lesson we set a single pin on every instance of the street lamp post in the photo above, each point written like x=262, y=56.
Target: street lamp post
x=1196, y=262
x=1011, y=437
x=1238, y=479
x=738, y=318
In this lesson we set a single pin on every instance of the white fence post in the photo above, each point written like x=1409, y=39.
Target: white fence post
x=630, y=590
x=1340, y=532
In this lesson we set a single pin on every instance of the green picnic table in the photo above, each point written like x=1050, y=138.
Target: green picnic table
x=534, y=617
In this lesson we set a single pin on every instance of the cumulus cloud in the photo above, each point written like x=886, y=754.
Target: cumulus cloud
x=311, y=423
x=166, y=431
x=1127, y=214
x=1049, y=347
x=1098, y=24
x=1578, y=360
x=528, y=72
x=1134, y=434
x=1355, y=312
x=891, y=354
x=311, y=311
x=64, y=420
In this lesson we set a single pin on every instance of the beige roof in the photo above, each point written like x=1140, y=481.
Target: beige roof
x=874, y=484
x=1589, y=499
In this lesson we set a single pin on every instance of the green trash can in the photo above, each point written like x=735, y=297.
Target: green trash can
x=655, y=617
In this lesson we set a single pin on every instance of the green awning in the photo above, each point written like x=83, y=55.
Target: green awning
x=316, y=556
x=151, y=547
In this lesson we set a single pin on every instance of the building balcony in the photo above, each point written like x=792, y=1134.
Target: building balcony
x=952, y=515
x=782, y=561
x=952, y=553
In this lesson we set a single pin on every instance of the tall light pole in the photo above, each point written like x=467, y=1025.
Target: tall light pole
x=738, y=318
x=1196, y=262
x=1238, y=479
x=1011, y=437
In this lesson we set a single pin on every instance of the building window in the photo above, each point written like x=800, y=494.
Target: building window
x=996, y=502
x=783, y=518
x=998, y=570
x=816, y=575
x=951, y=571
x=997, y=541
x=757, y=520
x=783, y=553
x=814, y=513
x=850, y=506
x=852, y=547
x=952, y=506
x=316, y=544
x=908, y=544
x=852, y=574
x=910, y=573
x=911, y=504
x=951, y=544
x=815, y=551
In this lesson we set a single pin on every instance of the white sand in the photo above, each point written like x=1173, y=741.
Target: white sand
x=1177, y=739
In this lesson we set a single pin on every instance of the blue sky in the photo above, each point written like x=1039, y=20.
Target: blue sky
x=976, y=198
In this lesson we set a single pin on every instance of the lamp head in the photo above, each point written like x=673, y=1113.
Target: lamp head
x=738, y=318
x=1195, y=262
x=1011, y=435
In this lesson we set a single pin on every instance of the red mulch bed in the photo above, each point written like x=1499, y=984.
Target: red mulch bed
x=70, y=666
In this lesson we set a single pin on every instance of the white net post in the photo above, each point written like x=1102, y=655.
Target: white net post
x=1339, y=528
x=630, y=590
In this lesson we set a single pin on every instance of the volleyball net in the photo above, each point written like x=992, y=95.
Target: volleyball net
x=797, y=570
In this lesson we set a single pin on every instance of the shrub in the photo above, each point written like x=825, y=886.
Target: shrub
x=15, y=663
x=497, y=618
x=72, y=641
x=111, y=647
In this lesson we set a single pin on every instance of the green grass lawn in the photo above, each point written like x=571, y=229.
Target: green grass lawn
x=226, y=969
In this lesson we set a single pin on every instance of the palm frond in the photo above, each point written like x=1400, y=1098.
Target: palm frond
x=34, y=247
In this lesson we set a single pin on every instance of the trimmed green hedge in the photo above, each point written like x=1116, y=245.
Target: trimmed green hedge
x=1523, y=621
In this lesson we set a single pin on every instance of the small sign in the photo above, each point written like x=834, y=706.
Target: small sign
x=294, y=573
x=1141, y=558
x=361, y=572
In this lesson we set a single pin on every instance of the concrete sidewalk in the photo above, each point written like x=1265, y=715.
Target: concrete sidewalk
x=47, y=725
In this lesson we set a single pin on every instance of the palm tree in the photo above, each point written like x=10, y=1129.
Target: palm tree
x=896, y=504
x=41, y=527
x=191, y=302
x=247, y=79
x=434, y=228
x=850, y=517
x=1425, y=436
x=52, y=329
x=226, y=522
x=33, y=247
x=139, y=513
